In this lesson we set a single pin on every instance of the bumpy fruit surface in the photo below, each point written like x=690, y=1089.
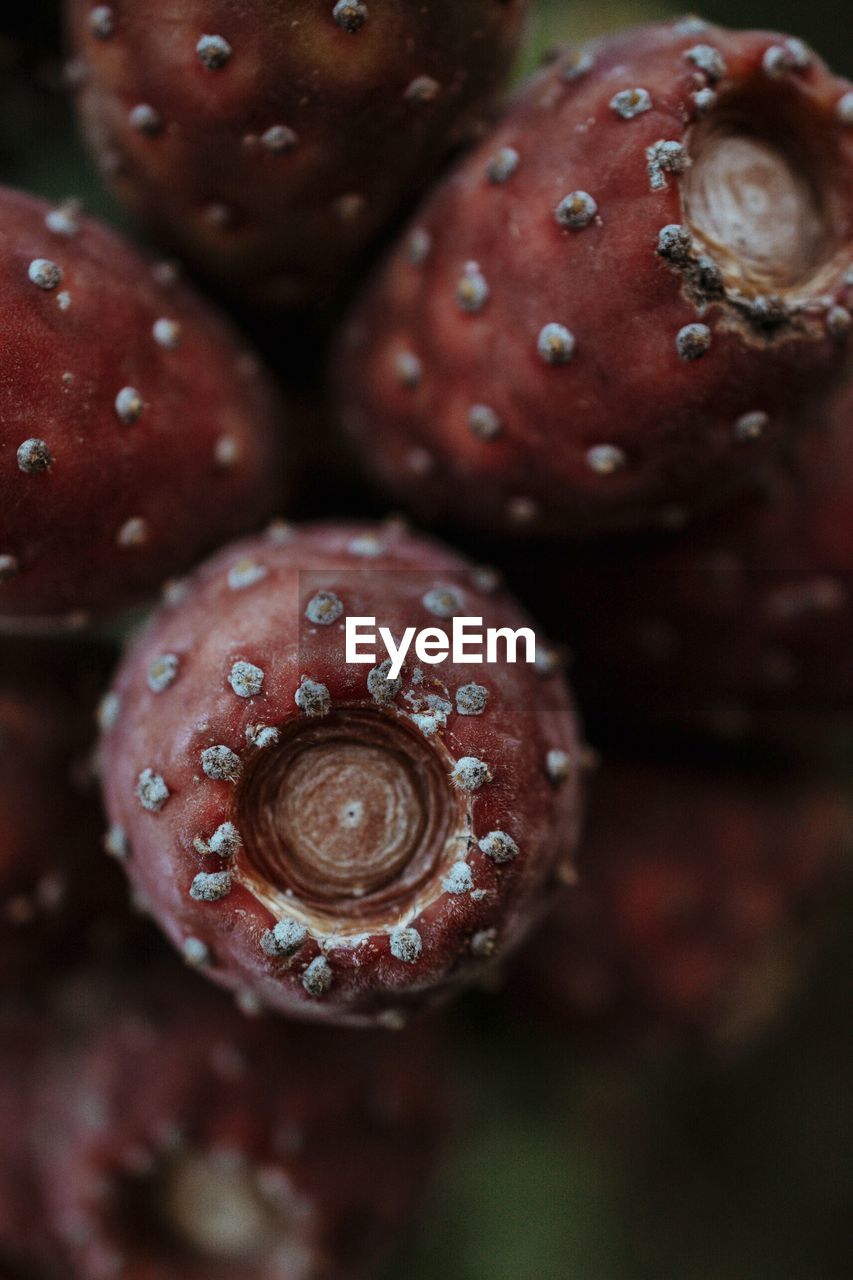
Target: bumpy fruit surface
x=742, y=625
x=688, y=920
x=346, y=845
x=613, y=312
x=271, y=142
x=135, y=431
x=55, y=884
x=186, y=1140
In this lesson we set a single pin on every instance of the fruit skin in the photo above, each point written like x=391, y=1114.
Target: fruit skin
x=127, y=448
x=59, y=895
x=689, y=922
x=167, y=1119
x=742, y=625
x=529, y=361
x=275, y=171
x=205, y=751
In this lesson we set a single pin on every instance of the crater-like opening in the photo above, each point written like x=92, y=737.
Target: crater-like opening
x=759, y=193
x=345, y=813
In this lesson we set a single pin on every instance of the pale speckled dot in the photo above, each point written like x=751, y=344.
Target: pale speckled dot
x=408, y=369
x=324, y=608
x=284, y=939
x=555, y=344
x=458, y=879
x=366, y=545
x=220, y=763
x=116, y=843
x=145, y=119
x=108, y=712
x=502, y=165
x=225, y=841
x=693, y=341
x=163, y=672
x=675, y=242
x=839, y=321
x=245, y=573
x=166, y=333
x=498, y=846
x=472, y=290
x=405, y=944
x=64, y=220
x=707, y=59
x=63, y=300
x=704, y=101
x=34, y=456
x=102, y=22
x=844, y=109
x=350, y=15
x=133, y=533
x=422, y=90
x=751, y=426
x=151, y=790
x=483, y=422
x=44, y=274
x=469, y=773
x=211, y=886
x=663, y=157
x=129, y=405
x=196, y=952
x=471, y=699
x=443, y=602
x=279, y=139
x=317, y=978
x=576, y=210
x=313, y=698
x=262, y=736
x=380, y=686
x=606, y=459
x=483, y=943
x=9, y=568
x=779, y=59
x=558, y=765
x=629, y=103
x=418, y=246
x=577, y=64
x=213, y=52
x=246, y=679
x=226, y=452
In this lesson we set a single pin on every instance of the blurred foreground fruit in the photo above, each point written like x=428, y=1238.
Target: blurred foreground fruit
x=618, y=307
x=743, y=625
x=688, y=921
x=135, y=431
x=56, y=887
x=346, y=844
x=272, y=142
x=22, y=1036
x=176, y=1137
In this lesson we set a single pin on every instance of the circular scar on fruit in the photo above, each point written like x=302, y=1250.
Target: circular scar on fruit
x=759, y=193
x=347, y=814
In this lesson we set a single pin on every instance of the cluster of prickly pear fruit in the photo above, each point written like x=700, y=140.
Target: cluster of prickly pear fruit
x=613, y=348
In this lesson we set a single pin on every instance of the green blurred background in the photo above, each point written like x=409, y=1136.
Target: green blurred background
x=570, y=1161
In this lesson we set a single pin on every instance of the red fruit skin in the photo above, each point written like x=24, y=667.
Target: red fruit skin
x=626, y=433
x=341, y=1131
x=58, y=893
x=689, y=922
x=742, y=625
x=382, y=572
x=198, y=465
x=365, y=119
